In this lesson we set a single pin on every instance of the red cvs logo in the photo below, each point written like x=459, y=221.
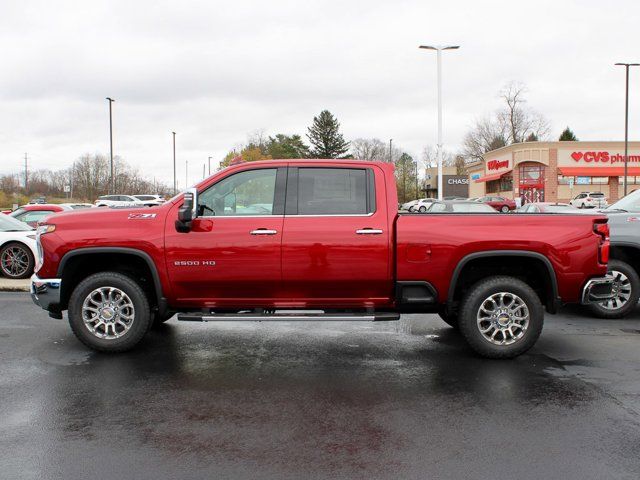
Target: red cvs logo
x=589, y=157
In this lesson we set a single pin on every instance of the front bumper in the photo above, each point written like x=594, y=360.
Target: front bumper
x=597, y=290
x=45, y=292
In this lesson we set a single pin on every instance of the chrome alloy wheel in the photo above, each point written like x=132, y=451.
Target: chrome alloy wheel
x=15, y=261
x=503, y=318
x=621, y=291
x=108, y=312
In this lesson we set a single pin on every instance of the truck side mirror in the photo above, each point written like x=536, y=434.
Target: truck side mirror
x=188, y=211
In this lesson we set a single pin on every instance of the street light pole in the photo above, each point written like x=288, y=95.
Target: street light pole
x=439, y=49
x=626, y=121
x=175, y=187
x=390, y=155
x=209, y=166
x=111, y=190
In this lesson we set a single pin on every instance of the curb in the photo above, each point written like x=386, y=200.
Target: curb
x=14, y=285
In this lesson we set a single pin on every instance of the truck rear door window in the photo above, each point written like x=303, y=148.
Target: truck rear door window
x=334, y=191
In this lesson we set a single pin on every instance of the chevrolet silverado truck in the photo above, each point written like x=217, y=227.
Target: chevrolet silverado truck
x=314, y=240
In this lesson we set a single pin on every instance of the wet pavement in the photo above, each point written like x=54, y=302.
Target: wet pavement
x=400, y=400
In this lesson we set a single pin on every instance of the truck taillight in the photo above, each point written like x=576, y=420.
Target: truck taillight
x=602, y=229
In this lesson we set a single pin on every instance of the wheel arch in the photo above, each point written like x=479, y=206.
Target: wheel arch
x=626, y=252
x=77, y=264
x=542, y=277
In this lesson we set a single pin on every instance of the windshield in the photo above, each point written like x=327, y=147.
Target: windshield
x=472, y=208
x=594, y=195
x=8, y=224
x=145, y=197
x=559, y=208
x=630, y=203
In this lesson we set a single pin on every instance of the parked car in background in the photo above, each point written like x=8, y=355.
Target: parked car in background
x=624, y=263
x=501, y=204
x=77, y=206
x=150, y=200
x=548, y=207
x=407, y=206
x=589, y=200
x=31, y=214
x=422, y=205
x=454, y=198
x=37, y=200
x=18, y=249
x=118, y=201
x=459, y=206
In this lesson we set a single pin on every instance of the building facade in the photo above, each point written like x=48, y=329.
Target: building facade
x=453, y=185
x=555, y=171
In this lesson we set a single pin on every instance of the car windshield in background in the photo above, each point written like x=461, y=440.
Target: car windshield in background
x=594, y=195
x=630, y=203
x=559, y=208
x=472, y=208
x=10, y=224
x=80, y=206
x=145, y=197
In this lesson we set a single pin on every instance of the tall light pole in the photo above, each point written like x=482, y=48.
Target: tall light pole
x=186, y=174
x=111, y=190
x=439, y=49
x=210, y=165
x=626, y=120
x=390, y=150
x=175, y=186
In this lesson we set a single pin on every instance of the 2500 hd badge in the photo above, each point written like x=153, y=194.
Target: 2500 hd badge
x=194, y=263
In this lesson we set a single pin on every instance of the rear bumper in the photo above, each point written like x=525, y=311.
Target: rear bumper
x=597, y=290
x=45, y=292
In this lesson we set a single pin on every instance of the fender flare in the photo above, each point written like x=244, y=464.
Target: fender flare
x=122, y=250
x=553, y=302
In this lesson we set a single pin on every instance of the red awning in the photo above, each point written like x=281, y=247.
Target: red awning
x=493, y=176
x=598, y=171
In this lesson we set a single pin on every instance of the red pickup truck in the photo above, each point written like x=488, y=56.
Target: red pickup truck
x=310, y=240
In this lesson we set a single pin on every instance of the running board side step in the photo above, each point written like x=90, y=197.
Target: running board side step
x=289, y=317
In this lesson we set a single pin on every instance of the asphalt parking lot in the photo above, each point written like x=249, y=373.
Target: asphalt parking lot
x=403, y=400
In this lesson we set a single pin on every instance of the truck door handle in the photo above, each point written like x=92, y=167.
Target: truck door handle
x=369, y=231
x=263, y=231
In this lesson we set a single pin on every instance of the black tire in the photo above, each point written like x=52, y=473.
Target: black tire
x=504, y=209
x=600, y=311
x=422, y=209
x=141, y=318
x=450, y=319
x=25, y=252
x=478, y=294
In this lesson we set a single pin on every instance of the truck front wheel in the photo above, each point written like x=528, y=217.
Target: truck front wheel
x=501, y=317
x=109, y=312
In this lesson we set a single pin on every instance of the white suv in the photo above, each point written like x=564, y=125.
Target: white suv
x=150, y=200
x=118, y=201
x=422, y=205
x=589, y=200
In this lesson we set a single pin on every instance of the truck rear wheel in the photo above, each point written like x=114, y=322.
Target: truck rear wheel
x=109, y=312
x=626, y=291
x=501, y=317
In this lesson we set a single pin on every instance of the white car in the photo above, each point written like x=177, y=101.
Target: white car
x=18, y=250
x=407, y=206
x=150, y=200
x=422, y=205
x=589, y=200
x=118, y=201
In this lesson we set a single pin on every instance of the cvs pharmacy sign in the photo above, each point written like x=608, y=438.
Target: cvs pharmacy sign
x=497, y=164
x=602, y=157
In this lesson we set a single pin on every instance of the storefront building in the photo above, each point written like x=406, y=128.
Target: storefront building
x=555, y=171
x=453, y=185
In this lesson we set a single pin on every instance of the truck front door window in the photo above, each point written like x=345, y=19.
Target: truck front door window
x=247, y=193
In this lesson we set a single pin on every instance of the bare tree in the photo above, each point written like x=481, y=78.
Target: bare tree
x=369, y=149
x=486, y=134
x=518, y=120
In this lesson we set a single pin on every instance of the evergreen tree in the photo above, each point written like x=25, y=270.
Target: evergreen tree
x=532, y=137
x=287, y=146
x=498, y=142
x=568, y=136
x=325, y=137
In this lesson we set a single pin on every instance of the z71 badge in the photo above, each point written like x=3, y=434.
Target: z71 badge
x=141, y=216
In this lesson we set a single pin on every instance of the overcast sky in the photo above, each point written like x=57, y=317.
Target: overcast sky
x=214, y=71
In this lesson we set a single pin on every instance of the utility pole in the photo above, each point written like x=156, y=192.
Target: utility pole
x=439, y=49
x=417, y=194
x=111, y=189
x=626, y=121
x=203, y=170
x=175, y=186
x=26, y=175
x=390, y=156
x=209, y=165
